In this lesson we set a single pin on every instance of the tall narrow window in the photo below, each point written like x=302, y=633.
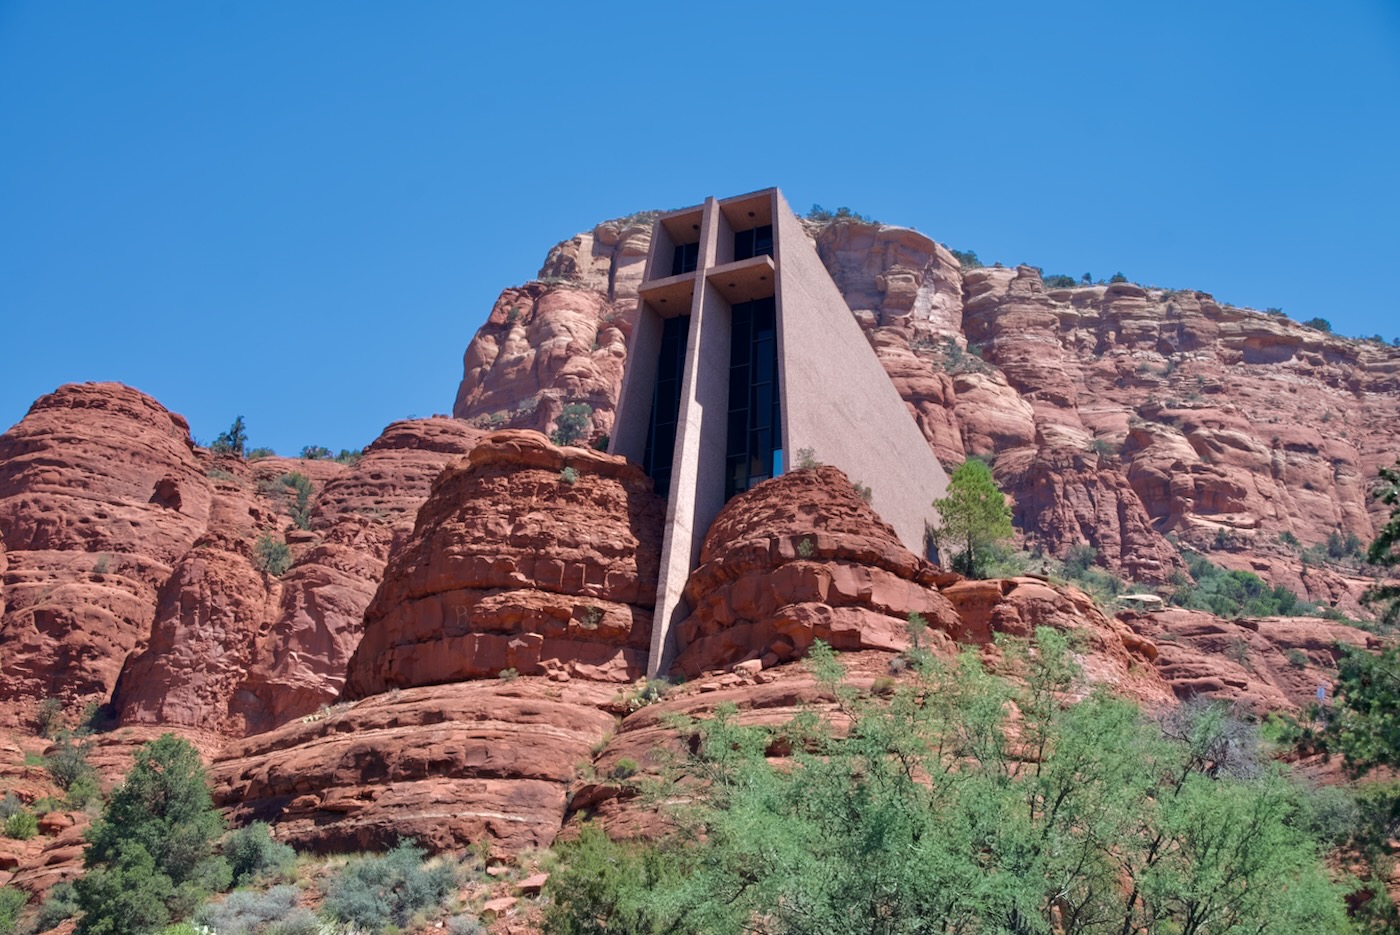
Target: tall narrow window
x=685, y=258
x=752, y=243
x=666, y=403
x=755, y=415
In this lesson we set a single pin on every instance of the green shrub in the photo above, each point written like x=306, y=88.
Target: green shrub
x=253, y=852
x=625, y=768
x=822, y=215
x=568, y=476
x=12, y=900
x=1060, y=281
x=299, y=921
x=10, y=804
x=69, y=763
x=1117, y=277
x=375, y=892
x=1297, y=658
x=967, y=259
x=1341, y=547
x=573, y=424
x=1235, y=593
x=150, y=856
x=921, y=813
x=248, y=912
x=316, y=453
x=257, y=453
x=49, y=720
x=299, y=485
x=974, y=517
x=59, y=904
x=1318, y=324
x=650, y=693
x=1079, y=559
x=508, y=674
x=465, y=925
x=21, y=826
x=806, y=547
x=272, y=556
x=1105, y=448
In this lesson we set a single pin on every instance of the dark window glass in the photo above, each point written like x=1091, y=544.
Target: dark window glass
x=752, y=243
x=666, y=403
x=755, y=413
x=685, y=258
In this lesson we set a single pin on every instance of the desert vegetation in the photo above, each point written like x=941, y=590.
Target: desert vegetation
x=965, y=801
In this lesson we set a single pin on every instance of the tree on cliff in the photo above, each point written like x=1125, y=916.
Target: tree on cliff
x=1385, y=550
x=232, y=442
x=573, y=424
x=151, y=855
x=974, y=517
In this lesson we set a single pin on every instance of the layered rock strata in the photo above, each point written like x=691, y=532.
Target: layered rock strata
x=526, y=557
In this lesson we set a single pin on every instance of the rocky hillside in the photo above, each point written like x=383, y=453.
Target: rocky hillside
x=446, y=638
x=1132, y=419
x=131, y=572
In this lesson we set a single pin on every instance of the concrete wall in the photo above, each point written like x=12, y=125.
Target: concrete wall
x=838, y=400
x=697, y=489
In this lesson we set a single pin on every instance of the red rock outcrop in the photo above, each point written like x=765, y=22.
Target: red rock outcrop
x=448, y=765
x=798, y=558
x=1260, y=664
x=361, y=516
x=101, y=493
x=1116, y=413
x=543, y=347
x=527, y=557
x=527, y=560
x=125, y=548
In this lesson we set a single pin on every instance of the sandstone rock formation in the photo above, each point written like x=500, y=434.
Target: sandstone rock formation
x=124, y=546
x=361, y=516
x=525, y=557
x=1116, y=414
x=798, y=558
x=101, y=493
x=1260, y=665
x=493, y=654
x=448, y=765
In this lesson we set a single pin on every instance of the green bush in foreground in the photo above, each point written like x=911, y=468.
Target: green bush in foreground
x=252, y=852
x=12, y=900
x=375, y=892
x=942, y=811
x=150, y=858
x=59, y=904
x=21, y=826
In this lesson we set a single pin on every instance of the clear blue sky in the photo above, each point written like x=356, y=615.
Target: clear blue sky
x=301, y=211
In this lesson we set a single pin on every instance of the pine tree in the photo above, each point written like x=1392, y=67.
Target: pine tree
x=974, y=515
x=233, y=441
